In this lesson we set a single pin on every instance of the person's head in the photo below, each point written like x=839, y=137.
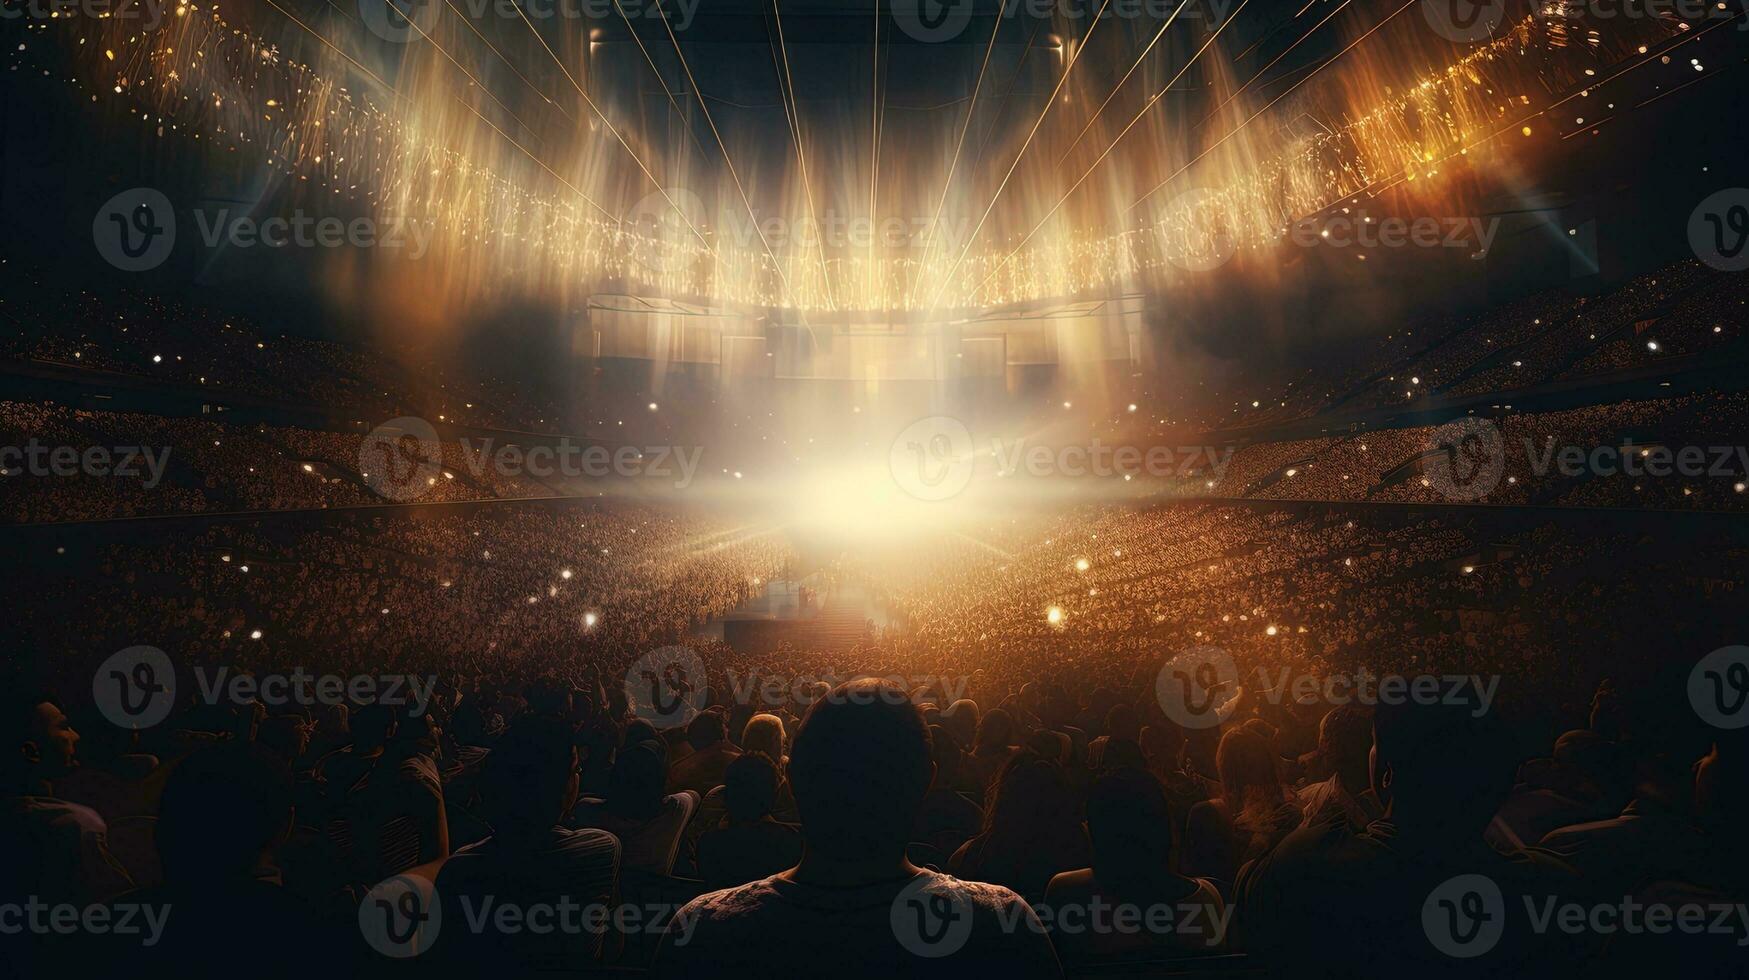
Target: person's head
x=1344, y=742
x=530, y=778
x=1439, y=767
x=1163, y=744
x=40, y=742
x=1029, y=800
x=286, y=736
x=1248, y=773
x=1055, y=746
x=372, y=727
x=961, y=718
x=764, y=733
x=1130, y=828
x=859, y=767
x=549, y=696
x=945, y=750
x=995, y=732
x=750, y=787
x=223, y=809
x=706, y=730
x=1123, y=721
x=636, y=784
x=640, y=730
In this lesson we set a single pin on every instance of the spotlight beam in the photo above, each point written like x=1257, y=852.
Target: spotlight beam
x=698, y=93
x=1126, y=77
x=1289, y=91
x=373, y=76
x=1089, y=172
x=612, y=129
x=953, y=164
x=947, y=278
x=793, y=110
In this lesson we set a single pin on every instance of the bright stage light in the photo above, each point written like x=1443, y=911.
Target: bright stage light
x=1054, y=616
x=860, y=499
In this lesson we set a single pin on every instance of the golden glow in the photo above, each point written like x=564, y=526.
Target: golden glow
x=557, y=212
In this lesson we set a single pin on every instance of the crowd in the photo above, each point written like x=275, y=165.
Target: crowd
x=1020, y=764
x=1683, y=308
x=1536, y=465
x=975, y=787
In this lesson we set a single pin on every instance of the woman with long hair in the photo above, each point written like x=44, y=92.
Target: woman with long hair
x=1031, y=829
x=1255, y=809
x=1131, y=827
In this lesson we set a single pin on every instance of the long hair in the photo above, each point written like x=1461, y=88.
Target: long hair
x=1028, y=801
x=1250, y=782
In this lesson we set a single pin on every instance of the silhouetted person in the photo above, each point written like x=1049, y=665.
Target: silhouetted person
x=1253, y=811
x=702, y=770
x=50, y=848
x=635, y=810
x=1130, y=826
x=1032, y=829
x=751, y=844
x=1405, y=883
x=1344, y=746
x=224, y=813
x=854, y=905
x=529, y=783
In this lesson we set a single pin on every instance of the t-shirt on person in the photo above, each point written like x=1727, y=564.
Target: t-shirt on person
x=570, y=868
x=928, y=925
x=646, y=845
x=746, y=852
